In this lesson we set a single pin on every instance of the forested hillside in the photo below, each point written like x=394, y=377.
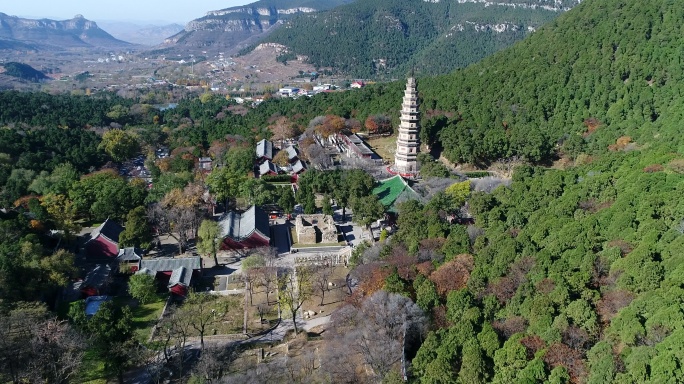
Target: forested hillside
x=23, y=71
x=575, y=275
x=382, y=39
x=606, y=69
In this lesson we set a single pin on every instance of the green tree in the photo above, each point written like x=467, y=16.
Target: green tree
x=473, y=368
x=111, y=332
x=253, y=261
x=286, y=201
x=58, y=181
x=142, y=287
x=119, y=144
x=459, y=192
x=327, y=206
x=509, y=360
x=137, y=231
x=601, y=363
x=62, y=212
x=240, y=159
x=395, y=284
x=309, y=203
x=426, y=294
x=367, y=209
x=209, y=239
x=118, y=113
x=458, y=302
x=258, y=192
x=225, y=183
x=105, y=194
x=58, y=269
x=16, y=185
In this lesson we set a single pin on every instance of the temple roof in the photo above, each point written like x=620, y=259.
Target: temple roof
x=394, y=190
x=264, y=149
x=109, y=229
x=239, y=226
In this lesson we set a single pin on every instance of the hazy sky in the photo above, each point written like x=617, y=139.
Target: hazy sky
x=179, y=11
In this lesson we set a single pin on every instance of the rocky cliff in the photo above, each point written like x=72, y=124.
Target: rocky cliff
x=233, y=28
x=52, y=34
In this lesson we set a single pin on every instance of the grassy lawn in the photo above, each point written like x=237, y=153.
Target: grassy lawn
x=144, y=317
x=92, y=369
x=384, y=146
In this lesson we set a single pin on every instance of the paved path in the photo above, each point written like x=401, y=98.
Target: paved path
x=223, y=281
x=281, y=237
x=310, y=324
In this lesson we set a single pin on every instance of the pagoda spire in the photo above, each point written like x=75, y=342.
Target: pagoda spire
x=408, y=141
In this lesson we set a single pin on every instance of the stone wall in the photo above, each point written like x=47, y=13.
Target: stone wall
x=313, y=229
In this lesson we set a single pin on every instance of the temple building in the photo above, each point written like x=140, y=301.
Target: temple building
x=408, y=141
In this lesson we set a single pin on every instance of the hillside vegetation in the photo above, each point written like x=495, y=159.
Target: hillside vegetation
x=23, y=71
x=606, y=69
x=384, y=38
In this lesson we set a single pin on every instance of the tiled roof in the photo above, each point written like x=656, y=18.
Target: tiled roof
x=146, y=271
x=180, y=275
x=390, y=190
x=97, y=276
x=298, y=166
x=129, y=254
x=240, y=226
x=292, y=152
x=264, y=149
x=267, y=167
x=168, y=264
x=109, y=229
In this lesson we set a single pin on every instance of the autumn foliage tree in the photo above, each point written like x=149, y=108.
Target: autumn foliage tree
x=330, y=125
x=378, y=124
x=282, y=129
x=453, y=275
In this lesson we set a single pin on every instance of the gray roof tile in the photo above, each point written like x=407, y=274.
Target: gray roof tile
x=180, y=275
x=109, y=229
x=167, y=264
x=267, y=167
x=292, y=152
x=129, y=254
x=264, y=149
x=239, y=226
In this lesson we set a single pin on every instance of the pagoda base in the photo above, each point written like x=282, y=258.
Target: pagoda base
x=393, y=170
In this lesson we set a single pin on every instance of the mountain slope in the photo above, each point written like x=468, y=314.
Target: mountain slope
x=374, y=38
x=23, y=71
x=606, y=69
x=227, y=29
x=614, y=62
x=52, y=34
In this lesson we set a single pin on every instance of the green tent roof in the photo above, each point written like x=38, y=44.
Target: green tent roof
x=393, y=190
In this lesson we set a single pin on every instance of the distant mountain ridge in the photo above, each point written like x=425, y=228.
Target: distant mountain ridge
x=232, y=28
x=376, y=38
x=21, y=33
